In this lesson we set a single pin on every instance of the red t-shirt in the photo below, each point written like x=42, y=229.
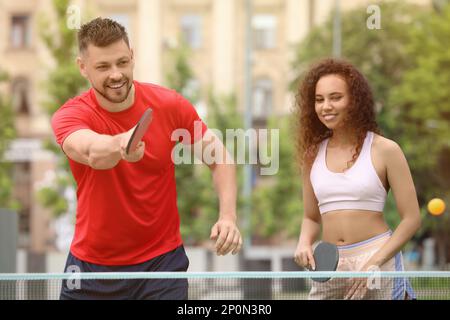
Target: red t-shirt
x=128, y=214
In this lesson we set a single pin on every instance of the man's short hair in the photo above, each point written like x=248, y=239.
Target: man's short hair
x=101, y=33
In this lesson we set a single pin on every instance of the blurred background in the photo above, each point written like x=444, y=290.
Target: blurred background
x=239, y=63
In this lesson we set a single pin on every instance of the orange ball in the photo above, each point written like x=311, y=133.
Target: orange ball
x=436, y=206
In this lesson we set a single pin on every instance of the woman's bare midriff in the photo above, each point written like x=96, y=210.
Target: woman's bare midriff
x=343, y=227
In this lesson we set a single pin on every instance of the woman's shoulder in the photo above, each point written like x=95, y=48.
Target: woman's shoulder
x=385, y=147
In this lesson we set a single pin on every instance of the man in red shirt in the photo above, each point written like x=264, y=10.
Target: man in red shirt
x=127, y=217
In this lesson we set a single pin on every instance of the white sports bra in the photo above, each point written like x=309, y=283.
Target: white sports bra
x=359, y=187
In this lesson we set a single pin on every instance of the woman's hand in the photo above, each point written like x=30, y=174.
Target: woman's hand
x=304, y=256
x=359, y=286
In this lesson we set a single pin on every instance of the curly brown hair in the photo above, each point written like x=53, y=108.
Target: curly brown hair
x=361, y=118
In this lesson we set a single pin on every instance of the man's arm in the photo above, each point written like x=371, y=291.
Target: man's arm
x=225, y=231
x=100, y=151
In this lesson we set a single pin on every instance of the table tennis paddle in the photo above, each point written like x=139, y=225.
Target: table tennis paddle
x=326, y=257
x=140, y=130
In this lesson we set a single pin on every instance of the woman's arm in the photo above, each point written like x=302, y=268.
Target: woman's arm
x=310, y=228
x=402, y=185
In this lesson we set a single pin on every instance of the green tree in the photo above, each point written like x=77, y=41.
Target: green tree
x=424, y=121
x=64, y=82
x=7, y=134
x=189, y=184
x=277, y=203
x=423, y=97
x=197, y=202
x=222, y=115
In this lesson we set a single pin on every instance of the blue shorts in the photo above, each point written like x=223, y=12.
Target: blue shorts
x=126, y=289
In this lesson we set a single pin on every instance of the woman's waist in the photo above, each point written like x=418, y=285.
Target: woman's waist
x=365, y=247
x=347, y=227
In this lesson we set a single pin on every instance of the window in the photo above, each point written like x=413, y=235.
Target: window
x=262, y=98
x=264, y=31
x=20, y=31
x=191, y=29
x=20, y=96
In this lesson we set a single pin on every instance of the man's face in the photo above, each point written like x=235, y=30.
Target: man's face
x=109, y=70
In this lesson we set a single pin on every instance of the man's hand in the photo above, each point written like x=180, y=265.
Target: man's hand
x=227, y=237
x=134, y=155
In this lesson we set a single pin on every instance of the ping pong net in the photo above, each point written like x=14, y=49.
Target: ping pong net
x=434, y=285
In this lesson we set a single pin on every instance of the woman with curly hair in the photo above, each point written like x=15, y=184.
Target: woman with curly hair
x=348, y=168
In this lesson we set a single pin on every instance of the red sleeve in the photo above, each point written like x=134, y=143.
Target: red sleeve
x=189, y=119
x=67, y=120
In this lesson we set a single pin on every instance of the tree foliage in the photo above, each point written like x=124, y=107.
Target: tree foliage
x=63, y=83
x=277, y=201
x=65, y=80
x=423, y=119
x=197, y=202
x=7, y=134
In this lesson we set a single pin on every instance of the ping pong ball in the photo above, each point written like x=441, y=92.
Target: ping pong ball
x=436, y=206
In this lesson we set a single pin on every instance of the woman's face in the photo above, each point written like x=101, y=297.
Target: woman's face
x=332, y=101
